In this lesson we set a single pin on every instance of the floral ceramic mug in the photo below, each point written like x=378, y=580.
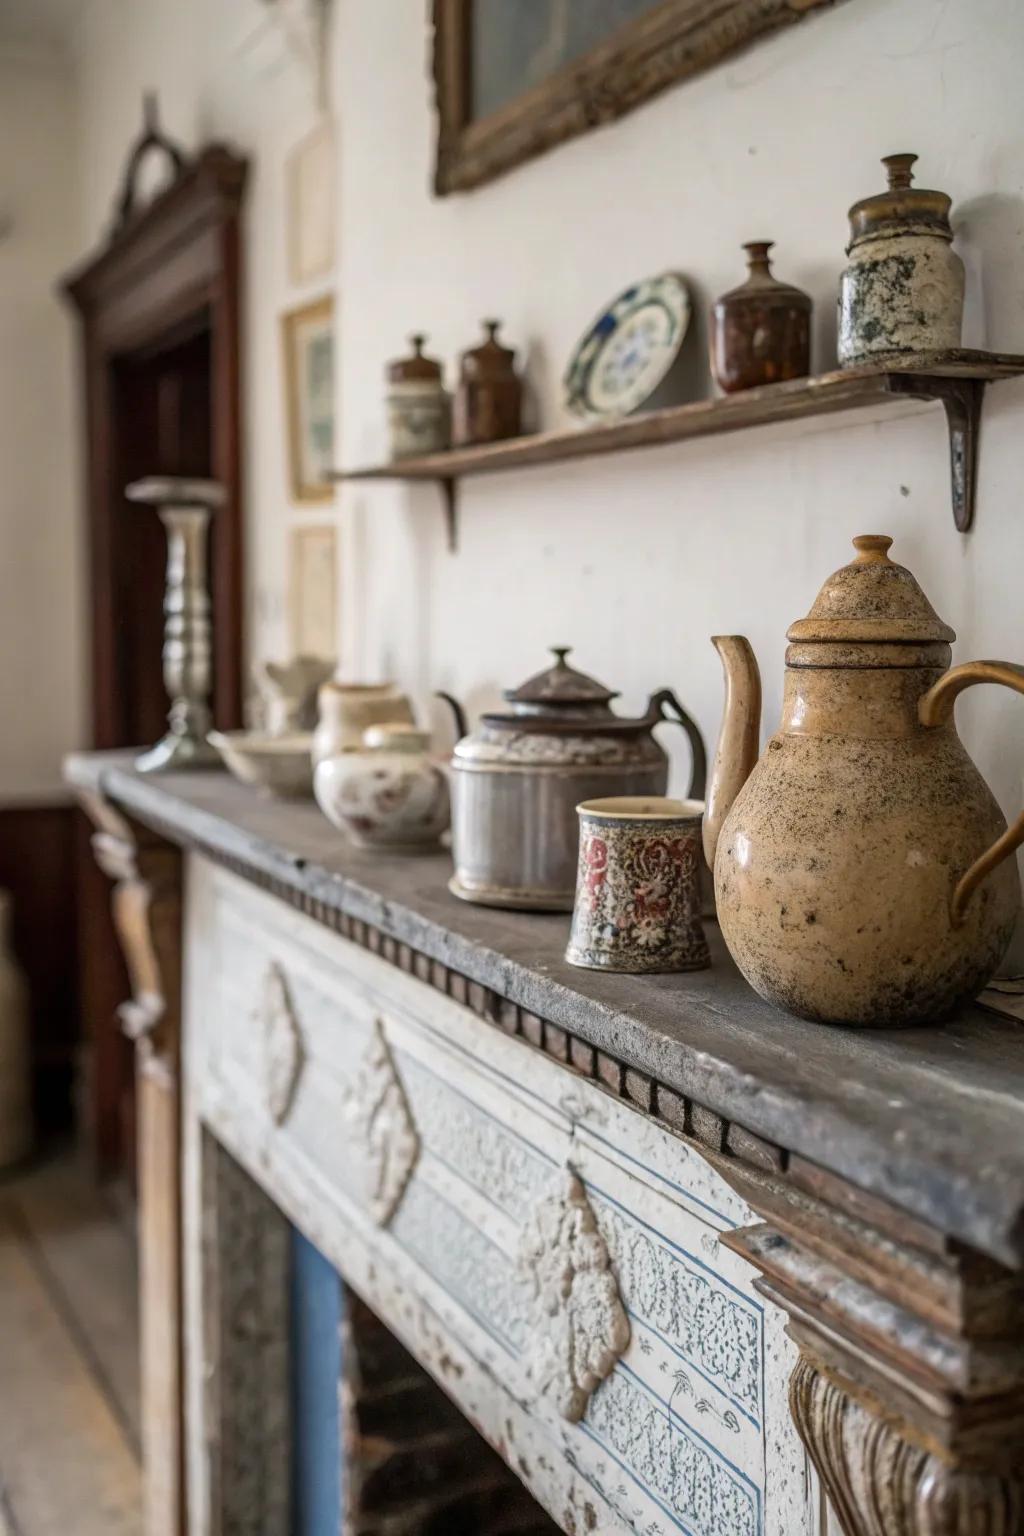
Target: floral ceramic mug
x=638, y=897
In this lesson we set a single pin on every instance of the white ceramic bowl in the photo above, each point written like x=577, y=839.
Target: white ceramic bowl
x=278, y=765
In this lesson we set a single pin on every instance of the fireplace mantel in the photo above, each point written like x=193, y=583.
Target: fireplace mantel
x=880, y=1173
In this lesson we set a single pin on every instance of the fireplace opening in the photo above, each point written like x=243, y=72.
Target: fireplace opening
x=316, y=1420
x=413, y=1465
x=377, y=1447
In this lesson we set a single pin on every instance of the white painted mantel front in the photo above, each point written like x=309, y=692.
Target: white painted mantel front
x=436, y=1163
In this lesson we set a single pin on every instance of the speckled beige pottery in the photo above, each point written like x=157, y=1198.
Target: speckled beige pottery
x=863, y=870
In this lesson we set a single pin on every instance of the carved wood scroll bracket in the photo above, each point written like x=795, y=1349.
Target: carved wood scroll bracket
x=147, y=910
x=146, y=904
x=909, y=1389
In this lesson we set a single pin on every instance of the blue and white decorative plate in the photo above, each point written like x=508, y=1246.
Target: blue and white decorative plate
x=629, y=348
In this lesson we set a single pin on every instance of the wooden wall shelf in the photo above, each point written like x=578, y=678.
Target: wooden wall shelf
x=957, y=379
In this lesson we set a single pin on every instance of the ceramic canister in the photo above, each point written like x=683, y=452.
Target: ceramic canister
x=348, y=709
x=419, y=410
x=903, y=290
x=638, y=894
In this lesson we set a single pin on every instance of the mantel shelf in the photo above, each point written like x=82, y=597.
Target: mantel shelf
x=957, y=379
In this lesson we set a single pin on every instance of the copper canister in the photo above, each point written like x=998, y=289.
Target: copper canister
x=489, y=397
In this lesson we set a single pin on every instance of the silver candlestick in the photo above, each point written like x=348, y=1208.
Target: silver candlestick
x=185, y=508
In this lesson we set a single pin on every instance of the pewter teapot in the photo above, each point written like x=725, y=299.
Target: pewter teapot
x=517, y=779
x=863, y=870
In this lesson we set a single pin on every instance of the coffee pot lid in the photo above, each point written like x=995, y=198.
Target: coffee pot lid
x=560, y=686
x=871, y=600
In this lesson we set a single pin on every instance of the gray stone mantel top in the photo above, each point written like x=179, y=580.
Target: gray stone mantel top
x=932, y=1119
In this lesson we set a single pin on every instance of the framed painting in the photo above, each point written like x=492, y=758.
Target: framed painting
x=308, y=338
x=515, y=79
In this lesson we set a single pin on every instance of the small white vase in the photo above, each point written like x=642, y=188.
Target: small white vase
x=15, y=1066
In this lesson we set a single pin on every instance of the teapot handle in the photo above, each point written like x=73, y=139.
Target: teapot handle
x=665, y=706
x=458, y=713
x=936, y=708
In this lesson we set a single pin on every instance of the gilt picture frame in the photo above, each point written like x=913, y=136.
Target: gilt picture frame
x=307, y=335
x=661, y=45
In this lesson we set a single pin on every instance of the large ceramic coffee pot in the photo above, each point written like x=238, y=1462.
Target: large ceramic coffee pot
x=863, y=870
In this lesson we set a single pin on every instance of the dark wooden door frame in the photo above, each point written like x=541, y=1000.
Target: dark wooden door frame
x=168, y=269
x=174, y=263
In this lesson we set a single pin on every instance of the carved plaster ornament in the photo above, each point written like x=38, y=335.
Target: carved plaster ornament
x=579, y=1326
x=380, y=1124
x=284, y=1054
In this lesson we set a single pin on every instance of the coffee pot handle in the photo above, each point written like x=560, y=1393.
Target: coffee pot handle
x=665, y=706
x=936, y=708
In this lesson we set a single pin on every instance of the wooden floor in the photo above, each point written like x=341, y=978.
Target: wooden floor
x=69, y=1392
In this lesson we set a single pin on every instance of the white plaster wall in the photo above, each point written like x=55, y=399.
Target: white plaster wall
x=636, y=559
x=222, y=71
x=40, y=671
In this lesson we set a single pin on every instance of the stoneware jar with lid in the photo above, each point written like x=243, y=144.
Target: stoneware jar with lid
x=903, y=290
x=419, y=410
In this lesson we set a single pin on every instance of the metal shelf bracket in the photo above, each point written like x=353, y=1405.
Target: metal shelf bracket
x=962, y=399
x=450, y=496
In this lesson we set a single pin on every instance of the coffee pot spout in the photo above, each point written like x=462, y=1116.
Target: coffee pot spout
x=738, y=740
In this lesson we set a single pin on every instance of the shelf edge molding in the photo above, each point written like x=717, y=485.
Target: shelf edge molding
x=956, y=379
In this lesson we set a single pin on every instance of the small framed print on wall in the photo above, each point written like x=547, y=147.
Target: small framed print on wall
x=313, y=603
x=308, y=337
x=310, y=183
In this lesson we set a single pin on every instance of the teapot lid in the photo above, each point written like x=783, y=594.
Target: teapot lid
x=490, y=359
x=560, y=686
x=415, y=369
x=872, y=600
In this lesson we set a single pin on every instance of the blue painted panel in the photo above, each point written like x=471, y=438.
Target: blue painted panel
x=316, y=1313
